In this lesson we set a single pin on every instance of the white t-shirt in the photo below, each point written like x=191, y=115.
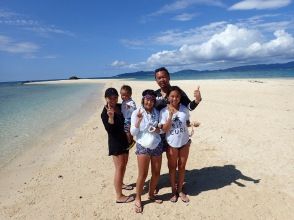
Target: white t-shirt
x=143, y=135
x=127, y=108
x=178, y=134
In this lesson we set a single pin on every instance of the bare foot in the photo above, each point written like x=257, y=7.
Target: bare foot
x=156, y=191
x=138, y=207
x=184, y=197
x=174, y=198
x=155, y=199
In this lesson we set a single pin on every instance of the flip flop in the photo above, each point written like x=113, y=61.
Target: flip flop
x=127, y=199
x=155, y=199
x=174, y=198
x=138, y=208
x=127, y=187
x=184, y=197
x=156, y=191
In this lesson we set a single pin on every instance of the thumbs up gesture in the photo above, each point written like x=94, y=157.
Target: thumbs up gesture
x=197, y=95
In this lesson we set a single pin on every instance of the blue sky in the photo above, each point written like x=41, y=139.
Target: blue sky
x=57, y=38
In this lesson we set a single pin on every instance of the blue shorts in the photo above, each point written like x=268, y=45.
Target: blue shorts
x=151, y=152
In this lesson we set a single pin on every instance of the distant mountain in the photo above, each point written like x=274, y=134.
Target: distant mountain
x=276, y=66
x=184, y=72
x=136, y=75
x=189, y=72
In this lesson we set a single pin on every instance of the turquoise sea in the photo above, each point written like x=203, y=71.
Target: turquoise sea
x=203, y=75
x=29, y=112
x=285, y=73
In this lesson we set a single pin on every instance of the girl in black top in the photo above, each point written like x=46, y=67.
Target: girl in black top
x=113, y=122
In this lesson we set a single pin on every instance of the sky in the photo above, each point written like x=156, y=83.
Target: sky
x=56, y=39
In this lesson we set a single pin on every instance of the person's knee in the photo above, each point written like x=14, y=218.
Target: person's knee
x=155, y=173
x=181, y=166
x=121, y=167
x=172, y=166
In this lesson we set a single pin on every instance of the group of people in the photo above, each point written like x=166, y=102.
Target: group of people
x=159, y=124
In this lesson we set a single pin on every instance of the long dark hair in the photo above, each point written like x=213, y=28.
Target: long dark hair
x=174, y=88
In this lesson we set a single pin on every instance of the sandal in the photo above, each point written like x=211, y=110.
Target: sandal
x=127, y=187
x=184, y=197
x=138, y=208
x=174, y=198
x=155, y=199
x=156, y=191
x=126, y=199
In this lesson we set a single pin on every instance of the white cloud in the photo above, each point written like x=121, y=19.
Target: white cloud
x=273, y=26
x=184, y=17
x=6, y=14
x=260, y=4
x=47, y=57
x=11, y=46
x=132, y=44
x=197, y=35
x=232, y=45
x=14, y=19
x=44, y=30
x=19, y=22
x=118, y=63
x=183, y=4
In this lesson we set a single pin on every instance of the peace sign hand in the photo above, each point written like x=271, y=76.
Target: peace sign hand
x=110, y=111
x=140, y=114
x=139, y=118
x=171, y=110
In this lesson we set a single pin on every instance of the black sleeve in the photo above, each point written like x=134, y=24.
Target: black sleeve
x=191, y=105
x=161, y=101
x=111, y=128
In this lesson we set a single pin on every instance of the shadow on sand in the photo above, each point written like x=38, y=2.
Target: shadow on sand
x=209, y=178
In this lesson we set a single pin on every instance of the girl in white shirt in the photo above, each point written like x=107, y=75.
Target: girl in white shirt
x=149, y=148
x=174, y=119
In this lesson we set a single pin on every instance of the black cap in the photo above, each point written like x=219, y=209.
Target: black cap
x=110, y=92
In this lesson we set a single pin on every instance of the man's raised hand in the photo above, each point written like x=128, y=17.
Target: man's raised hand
x=197, y=95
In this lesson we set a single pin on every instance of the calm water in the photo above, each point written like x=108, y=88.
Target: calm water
x=283, y=73
x=28, y=112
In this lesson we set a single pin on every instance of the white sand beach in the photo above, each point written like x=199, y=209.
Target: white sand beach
x=241, y=162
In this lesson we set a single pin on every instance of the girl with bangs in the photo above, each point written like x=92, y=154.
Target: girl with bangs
x=174, y=120
x=144, y=128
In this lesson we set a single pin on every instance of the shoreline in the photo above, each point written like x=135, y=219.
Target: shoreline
x=104, y=81
x=68, y=81
x=24, y=166
x=245, y=135
x=57, y=123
